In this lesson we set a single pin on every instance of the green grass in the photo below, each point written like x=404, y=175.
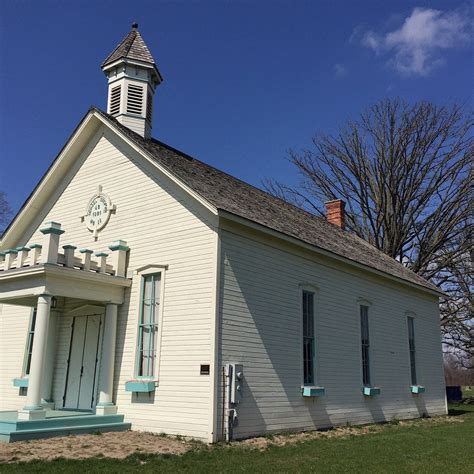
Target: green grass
x=468, y=393
x=425, y=447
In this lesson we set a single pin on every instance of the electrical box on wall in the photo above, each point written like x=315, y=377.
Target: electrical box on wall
x=235, y=374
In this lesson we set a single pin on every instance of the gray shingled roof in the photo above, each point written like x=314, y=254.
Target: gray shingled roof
x=131, y=47
x=237, y=197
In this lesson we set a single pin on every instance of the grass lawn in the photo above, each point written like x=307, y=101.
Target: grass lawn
x=436, y=448
x=466, y=392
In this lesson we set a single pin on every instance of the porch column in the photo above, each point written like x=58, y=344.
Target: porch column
x=105, y=406
x=33, y=409
x=47, y=383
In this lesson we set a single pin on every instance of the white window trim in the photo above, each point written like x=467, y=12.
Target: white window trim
x=141, y=272
x=315, y=290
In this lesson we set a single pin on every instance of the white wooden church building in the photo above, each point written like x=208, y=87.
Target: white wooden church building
x=142, y=288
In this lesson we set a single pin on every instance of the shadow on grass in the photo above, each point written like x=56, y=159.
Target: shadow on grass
x=457, y=410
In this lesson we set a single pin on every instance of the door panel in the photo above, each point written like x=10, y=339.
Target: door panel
x=73, y=377
x=83, y=367
x=89, y=371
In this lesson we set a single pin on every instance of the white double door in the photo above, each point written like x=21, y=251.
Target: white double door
x=82, y=375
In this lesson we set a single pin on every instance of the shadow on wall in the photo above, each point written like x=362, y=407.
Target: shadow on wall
x=421, y=406
x=374, y=406
x=261, y=329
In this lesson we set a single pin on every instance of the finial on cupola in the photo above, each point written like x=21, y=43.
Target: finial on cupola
x=133, y=78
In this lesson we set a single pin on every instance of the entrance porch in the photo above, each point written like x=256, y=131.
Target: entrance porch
x=57, y=423
x=86, y=293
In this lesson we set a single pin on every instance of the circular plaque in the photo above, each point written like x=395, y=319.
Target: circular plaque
x=98, y=212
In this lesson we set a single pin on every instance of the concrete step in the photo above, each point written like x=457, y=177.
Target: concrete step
x=49, y=432
x=59, y=422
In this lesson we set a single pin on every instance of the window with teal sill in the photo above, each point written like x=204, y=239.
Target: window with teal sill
x=147, y=349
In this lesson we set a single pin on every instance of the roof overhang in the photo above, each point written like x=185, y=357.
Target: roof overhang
x=313, y=248
x=134, y=62
x=22, y=286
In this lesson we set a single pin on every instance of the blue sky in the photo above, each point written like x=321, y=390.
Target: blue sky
x=244, y=81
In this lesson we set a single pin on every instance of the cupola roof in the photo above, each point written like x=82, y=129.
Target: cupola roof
x=131, y=47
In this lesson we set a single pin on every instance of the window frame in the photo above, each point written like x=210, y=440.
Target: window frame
x=142, y=273
x=412, y=350
x=30, y=336
x=314, y=290
x=365, y=382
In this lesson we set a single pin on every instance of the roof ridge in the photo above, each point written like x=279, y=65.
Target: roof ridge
x=298, y=223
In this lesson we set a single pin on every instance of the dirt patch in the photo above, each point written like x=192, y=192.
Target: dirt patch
x=118, y=445
x=264, y=442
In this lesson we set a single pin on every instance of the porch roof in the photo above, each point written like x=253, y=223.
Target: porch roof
x=28, y=272
x=23, y=285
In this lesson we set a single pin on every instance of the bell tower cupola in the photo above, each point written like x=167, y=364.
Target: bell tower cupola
x=133, y=78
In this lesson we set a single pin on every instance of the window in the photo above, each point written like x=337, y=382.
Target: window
x=29, y=343
x=364, y=332
x=148, y=325
x=308, y=338
x=411, y=345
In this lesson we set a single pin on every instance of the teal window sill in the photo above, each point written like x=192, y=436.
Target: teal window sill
x=370, y=391
x=417, y=389
x=20, y=382
x=312, y=391
x=140, y=386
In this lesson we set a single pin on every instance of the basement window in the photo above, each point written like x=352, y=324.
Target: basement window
x=134, y=99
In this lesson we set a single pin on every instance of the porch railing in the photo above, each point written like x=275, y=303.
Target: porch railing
x=113, y=263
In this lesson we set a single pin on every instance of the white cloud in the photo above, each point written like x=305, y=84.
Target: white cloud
x=339, y=70
x=415, y=47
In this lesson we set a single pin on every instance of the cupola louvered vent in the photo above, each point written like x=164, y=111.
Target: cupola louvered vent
x=134, y=99
x=114, y=108
x=149, y=107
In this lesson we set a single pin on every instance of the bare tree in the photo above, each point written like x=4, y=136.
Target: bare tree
x=456, y=374
x=5, y=212
x=404, y=172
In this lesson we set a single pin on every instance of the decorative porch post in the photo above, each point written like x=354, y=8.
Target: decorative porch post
x=33, y=409
x=105, y=406
x=47, y=382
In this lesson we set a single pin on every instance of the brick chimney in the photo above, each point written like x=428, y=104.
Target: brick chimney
x=335, y=212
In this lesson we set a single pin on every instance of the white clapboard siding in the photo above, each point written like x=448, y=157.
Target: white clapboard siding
x=14, y=323
x=162, y=225
x=261, y=328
